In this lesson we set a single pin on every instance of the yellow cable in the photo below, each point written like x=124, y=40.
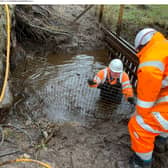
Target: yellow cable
x=7, y=53
x=4, y=88
x=25, y=160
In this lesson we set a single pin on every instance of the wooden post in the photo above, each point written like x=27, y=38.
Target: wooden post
x=96, y=10
x=101, y=13
x=86, y=6
x=119, y=22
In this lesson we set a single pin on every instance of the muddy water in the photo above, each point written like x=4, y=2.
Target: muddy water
x=58, y=88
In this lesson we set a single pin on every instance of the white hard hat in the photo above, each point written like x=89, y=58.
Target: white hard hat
x=144, y=36
x=116, y=65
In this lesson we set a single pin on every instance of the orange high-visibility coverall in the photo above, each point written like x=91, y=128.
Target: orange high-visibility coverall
x=151, y=116
x=104, y=75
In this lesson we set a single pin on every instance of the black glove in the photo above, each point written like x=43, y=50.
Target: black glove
x=100, y=86
x=131, y=100
x=91, y=82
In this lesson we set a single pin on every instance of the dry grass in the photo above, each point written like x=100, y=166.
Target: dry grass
x=136, y=17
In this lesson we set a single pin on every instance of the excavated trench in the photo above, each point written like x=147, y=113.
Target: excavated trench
x=59, y=86
x=92, y=130
x=70, y=124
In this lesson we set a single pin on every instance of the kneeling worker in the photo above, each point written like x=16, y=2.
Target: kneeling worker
x=113, y=82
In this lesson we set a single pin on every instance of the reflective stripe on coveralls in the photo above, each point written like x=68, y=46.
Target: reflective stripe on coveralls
x=163, y=122
x=104, y=74
x=160, y=66
x=145, y=156
x=142, y=141
x=140, y=121
x=144, y=104
x=101, y=78
x=152, y=101
x=145, y=126
x=126, y=85
x=147, y=104
x=157, y=64
x=165, y=82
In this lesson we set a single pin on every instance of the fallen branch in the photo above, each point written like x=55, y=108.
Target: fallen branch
x=10, y=153
x=51, y=135
x=21, y=130
x=49, y=30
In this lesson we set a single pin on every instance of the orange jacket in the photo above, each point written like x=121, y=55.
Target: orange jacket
x=104, y=74
x=152, y=87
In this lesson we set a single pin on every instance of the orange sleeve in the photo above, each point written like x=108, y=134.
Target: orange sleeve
x=99, y=78
x=148, y=88
x=126, y=86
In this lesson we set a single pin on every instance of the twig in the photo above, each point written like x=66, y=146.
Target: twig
x=21, y=130
x=50, y=136
x=49, y=30
x=10, y=153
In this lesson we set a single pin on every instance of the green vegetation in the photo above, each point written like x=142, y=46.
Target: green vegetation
x=136, y=17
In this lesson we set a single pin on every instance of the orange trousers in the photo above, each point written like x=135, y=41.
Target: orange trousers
x=142, y=141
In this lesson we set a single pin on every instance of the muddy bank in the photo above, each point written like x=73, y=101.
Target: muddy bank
x=68, y=124
x=81, y=132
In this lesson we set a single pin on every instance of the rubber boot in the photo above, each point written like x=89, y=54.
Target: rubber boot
x=160, y=144
x=136, y=162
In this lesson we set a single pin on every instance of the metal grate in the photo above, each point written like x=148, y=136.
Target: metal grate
x=119, y=48
x=69, y=98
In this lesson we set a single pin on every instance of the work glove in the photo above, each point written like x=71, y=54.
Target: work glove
x=131, y=100
x=91, y=82
x=100, y=86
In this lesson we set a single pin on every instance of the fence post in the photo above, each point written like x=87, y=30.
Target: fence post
x=119, y=22
x=101, y=13
x=96, y=10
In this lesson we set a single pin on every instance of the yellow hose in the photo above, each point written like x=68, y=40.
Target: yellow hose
x=4, y=88
x=7, y=53
x=25, y=160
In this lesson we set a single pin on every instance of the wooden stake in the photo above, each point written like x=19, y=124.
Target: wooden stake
x=118, y=30
x=101, y=13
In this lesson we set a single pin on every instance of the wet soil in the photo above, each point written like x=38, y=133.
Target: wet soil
x=69, y=125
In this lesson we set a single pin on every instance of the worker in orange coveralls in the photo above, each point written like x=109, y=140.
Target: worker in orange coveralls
x=113, y=82
x=148, y=127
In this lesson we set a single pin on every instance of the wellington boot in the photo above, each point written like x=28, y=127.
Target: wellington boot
x=136, y=162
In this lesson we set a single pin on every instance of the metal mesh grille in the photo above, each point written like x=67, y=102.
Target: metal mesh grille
x=70, y=97
x=61, y=92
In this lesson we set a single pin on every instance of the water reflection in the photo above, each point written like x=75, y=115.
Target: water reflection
x=61, y=84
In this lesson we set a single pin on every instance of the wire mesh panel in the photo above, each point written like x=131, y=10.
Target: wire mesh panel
x=61, y=92
x=68, y=97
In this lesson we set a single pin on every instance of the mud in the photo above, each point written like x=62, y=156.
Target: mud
x=86, y=131
x=70, y=126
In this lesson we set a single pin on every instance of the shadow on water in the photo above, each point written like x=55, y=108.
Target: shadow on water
x=60, y=84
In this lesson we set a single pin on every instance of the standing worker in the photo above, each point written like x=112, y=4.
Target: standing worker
x=113, y=82
x=149, y=124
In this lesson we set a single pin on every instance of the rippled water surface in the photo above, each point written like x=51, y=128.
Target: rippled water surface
x=59, y=89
